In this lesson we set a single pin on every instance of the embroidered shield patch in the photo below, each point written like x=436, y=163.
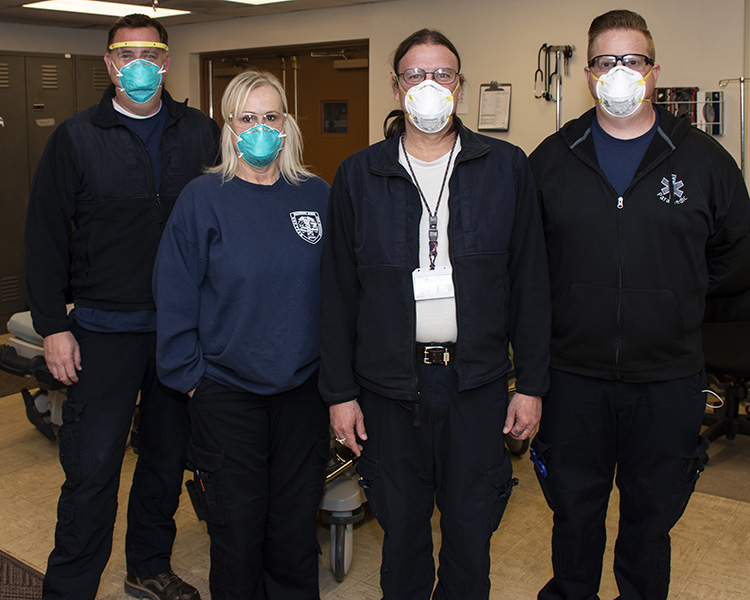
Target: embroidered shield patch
x=308, y=226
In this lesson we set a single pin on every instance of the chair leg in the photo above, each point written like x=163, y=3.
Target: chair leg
x=719, y=428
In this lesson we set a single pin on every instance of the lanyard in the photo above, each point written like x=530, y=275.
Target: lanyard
x=433, y=229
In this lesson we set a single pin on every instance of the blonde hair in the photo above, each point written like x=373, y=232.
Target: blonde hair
x=235, y=96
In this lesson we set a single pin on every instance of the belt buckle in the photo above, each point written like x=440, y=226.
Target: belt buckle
x=433, y=351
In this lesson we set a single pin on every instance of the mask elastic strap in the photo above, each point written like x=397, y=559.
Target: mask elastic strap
x=646, y=76
x=162, y=70
x=643, y=82
x=398, y=79
x=455, y=89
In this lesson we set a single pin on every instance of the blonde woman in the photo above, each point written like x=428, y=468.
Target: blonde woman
x=237, y=292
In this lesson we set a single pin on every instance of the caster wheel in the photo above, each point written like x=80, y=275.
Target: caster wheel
x=341, y=549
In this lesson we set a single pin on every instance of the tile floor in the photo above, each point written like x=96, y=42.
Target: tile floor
x=711, y=544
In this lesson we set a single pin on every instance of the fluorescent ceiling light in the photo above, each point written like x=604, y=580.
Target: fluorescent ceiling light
x=259, y=1
x=111, y=9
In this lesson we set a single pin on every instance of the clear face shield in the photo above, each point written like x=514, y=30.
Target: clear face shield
x=143, y=64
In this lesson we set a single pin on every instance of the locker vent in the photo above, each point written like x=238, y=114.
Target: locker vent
x=101, y=78
x=10, y=290
x=49, y=77
x=4, y=75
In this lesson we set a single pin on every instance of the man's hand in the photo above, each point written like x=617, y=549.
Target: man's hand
x=524, y=413
x=348, y=424
x=63, y=356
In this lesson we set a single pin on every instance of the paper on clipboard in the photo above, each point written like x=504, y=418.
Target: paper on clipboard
x=494, y=106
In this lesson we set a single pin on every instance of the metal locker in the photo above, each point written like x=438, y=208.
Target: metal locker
x=50, y=93
x=14, y=190
x=37, y=93
x=92, y=78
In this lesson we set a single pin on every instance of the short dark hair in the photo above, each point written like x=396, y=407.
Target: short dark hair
x=136, y=21
x=620, y=19
x=394, y=122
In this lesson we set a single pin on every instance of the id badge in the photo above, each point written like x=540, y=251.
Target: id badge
x=432, y=284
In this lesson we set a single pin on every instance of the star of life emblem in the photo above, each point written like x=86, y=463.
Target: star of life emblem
x=675, y=194
x=308, y=226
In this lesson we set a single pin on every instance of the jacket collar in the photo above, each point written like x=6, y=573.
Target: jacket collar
x=670, y=132
x=386, y=162
x=105, y=115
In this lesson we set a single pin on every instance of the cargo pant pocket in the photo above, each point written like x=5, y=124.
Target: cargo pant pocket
x=501, y=486
x=369, y=481
x=688, y=474
x=205, y=464
x=540, y=454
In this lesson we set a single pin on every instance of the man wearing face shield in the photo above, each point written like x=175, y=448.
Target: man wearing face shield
x=643, y=214
x=101, y=195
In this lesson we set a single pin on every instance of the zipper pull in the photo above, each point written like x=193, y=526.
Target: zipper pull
x=620, y=202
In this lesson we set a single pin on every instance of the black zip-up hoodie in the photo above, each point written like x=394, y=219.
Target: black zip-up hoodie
x=629, y=273
x=371, y=247
x=94, y=215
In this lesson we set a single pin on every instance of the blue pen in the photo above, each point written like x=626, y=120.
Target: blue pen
x=538, y=463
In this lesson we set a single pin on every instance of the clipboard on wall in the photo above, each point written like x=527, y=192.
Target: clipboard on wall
x=494, y=106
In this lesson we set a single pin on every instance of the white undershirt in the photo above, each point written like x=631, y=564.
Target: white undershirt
x=436, y=319
x=127, y=113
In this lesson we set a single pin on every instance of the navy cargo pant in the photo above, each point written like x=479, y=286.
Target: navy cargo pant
x=97, y=417
x=648, y=435
x=453, y=455
x=259, y=464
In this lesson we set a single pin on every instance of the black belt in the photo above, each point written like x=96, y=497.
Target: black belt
x=435, y=355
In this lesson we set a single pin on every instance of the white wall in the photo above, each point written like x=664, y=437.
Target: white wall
x=58, y=40
x=697, y=44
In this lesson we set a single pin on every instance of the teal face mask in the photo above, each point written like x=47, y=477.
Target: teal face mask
x=260, y=145
x=140, y=80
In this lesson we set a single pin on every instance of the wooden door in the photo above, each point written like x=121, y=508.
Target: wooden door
x=332, y=112
x=326, y=87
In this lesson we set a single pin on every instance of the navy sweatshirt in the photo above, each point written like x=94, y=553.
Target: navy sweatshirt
x=237, y=285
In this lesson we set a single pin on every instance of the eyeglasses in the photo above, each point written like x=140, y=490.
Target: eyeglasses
x=606, y=62
x=443, y=76
x=125, y=55
x=252, y=119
